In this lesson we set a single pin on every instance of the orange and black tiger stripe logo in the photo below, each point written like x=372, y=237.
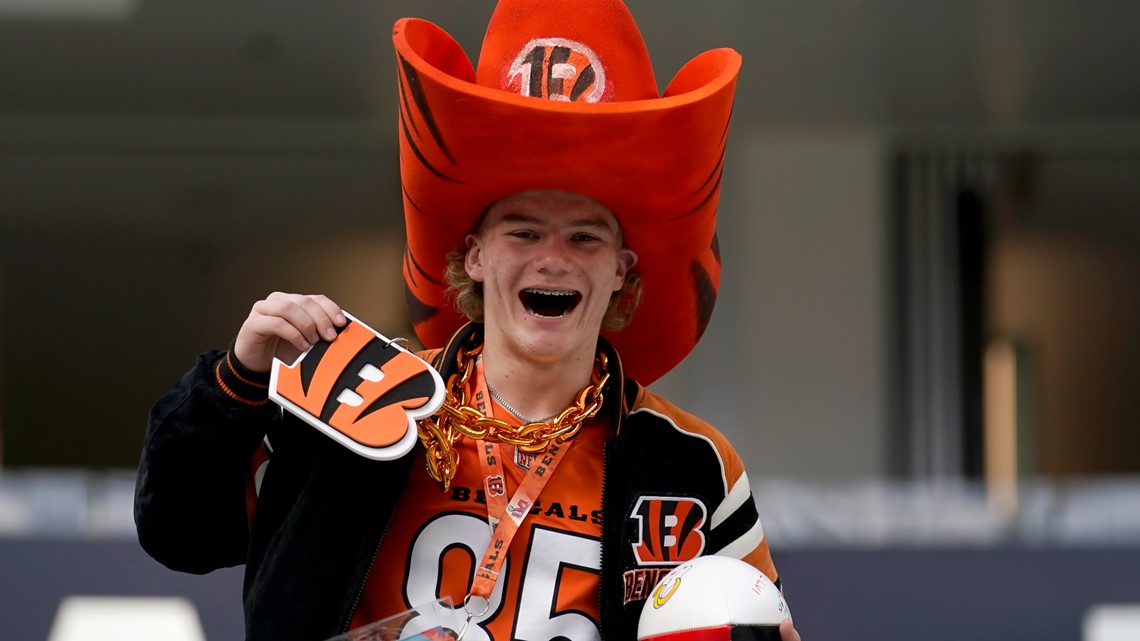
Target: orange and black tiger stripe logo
x=361, y=386
x=557, y=69
x=671, y=528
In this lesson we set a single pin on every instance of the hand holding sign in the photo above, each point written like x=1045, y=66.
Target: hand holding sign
x=361, y=389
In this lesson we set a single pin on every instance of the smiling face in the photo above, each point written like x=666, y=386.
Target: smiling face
x=549, y=262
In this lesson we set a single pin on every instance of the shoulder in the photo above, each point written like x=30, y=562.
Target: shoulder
x=651, y=407
x=664, y=425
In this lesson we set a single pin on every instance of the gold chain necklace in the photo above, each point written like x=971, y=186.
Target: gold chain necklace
x=515, y=413
x=458, y=418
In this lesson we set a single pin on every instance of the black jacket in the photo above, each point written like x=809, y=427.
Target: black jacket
x=322, y=509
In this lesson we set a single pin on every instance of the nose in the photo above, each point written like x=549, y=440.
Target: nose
x=553, y=255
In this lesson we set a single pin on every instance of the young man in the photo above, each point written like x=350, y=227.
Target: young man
x=557, y=489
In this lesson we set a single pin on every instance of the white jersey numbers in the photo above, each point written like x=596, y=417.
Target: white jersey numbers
x=453, y=543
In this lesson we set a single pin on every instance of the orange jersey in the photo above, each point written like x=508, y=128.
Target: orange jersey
x=548, y=586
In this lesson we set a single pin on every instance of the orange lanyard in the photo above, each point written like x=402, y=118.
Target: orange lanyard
x=504, y=516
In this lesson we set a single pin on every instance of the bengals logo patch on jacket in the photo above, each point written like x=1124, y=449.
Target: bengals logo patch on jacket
x=669, y=531
x=672, y=529
x=361, y=389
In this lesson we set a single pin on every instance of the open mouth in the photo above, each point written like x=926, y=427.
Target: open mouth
x=549, y=303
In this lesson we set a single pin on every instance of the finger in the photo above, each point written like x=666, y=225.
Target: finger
x=333, y=310
x=324, y=314
x=788, y=631
x=270, y=328
x=294, y=310
x=262, y=337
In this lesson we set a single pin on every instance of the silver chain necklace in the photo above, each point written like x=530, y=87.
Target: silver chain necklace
x=515, y=413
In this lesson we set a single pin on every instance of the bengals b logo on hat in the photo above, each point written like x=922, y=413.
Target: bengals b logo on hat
x=360, y=389
x=557, y=69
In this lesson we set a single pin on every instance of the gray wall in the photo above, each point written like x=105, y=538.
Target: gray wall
x=795, y=364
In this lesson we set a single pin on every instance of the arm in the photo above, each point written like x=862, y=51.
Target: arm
x=735, y=527
x=190, y=496
x=190, y=506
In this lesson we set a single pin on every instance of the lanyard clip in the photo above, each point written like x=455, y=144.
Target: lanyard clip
x=475, y=606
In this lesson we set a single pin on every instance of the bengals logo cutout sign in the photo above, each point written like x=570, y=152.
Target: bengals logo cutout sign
x=671, y=529
x=360, y=389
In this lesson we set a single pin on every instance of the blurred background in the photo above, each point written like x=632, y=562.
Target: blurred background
x=925, y=345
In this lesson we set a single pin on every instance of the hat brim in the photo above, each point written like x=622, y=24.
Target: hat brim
x=655, y=163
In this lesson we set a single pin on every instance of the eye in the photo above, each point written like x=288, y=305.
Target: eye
x=524, y=234
x=583, y=237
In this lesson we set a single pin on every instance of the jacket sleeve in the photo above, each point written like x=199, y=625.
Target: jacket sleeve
x=191, y=490
x=735, y=527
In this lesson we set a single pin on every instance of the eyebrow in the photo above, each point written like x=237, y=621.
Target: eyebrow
x=581, y=222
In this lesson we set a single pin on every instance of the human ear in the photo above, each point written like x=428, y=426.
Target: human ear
x=626, y=259
x=473, y=260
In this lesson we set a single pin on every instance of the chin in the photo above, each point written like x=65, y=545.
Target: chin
x=552, y=338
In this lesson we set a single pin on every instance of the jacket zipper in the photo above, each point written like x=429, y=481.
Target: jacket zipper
x=602, y=546
x=618, y=417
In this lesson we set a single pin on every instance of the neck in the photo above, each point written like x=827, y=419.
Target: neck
x=536, y=388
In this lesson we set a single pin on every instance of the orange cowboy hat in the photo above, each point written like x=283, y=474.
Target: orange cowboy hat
x=564, y=98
